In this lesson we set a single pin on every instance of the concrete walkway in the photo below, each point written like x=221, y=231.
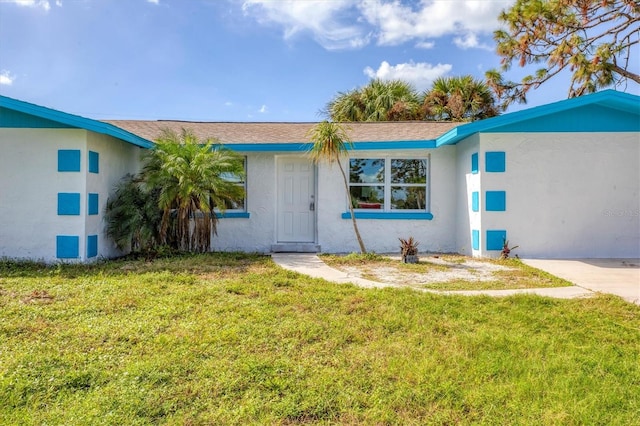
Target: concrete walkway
x=310, y=264
x=615, y=276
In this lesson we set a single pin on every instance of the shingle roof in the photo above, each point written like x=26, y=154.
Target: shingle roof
x=253, y=133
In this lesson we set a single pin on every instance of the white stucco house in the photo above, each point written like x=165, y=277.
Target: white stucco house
x=560, y=180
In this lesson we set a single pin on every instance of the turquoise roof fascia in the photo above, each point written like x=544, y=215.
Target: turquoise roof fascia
x=356, y=146
x=608, y=111
x=62, y=120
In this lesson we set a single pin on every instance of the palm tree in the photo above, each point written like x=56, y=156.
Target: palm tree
x=190, y=176
x=330, y=142
x=132, y=215
x=459, y=99
x=377, y=101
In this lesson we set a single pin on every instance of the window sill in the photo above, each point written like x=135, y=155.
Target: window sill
x=389, y=215
x=233, y=215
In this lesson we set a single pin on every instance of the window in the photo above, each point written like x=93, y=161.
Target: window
x=240, y=205
x=389, y=184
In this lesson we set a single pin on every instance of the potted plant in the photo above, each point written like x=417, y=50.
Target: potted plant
x=409, y=250
x=506, y=250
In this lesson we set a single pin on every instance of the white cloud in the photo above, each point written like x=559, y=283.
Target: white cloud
x=154, y=1
x=470, y=41
x=331, y=23
x=340, y=24
x=420, y=74
x=263, y=109
x=6, y=79
x=397, y=21
x=44, y=4
x=425, y=44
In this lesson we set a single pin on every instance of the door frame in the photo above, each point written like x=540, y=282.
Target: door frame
x=277, y=162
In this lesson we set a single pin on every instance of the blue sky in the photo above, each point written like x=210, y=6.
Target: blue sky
x=236, y=60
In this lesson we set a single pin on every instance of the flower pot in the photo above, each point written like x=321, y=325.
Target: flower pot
x=410, y=258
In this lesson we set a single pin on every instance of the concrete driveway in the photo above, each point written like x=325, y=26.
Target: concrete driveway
x=616, y=276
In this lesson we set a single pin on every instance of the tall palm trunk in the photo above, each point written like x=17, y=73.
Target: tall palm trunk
x=363, y=250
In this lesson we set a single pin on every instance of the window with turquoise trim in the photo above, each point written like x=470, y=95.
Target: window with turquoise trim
x=239, y=205
x=389, y=184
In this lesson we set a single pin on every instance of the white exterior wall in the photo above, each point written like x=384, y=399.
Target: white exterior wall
x=466, y=183
x=336, y=235
x=116, y=159
x=30, y=183
x=257, y=233
x=568, y=195
x=29, y=187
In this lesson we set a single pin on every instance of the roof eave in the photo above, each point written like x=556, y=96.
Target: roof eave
x=74, y=121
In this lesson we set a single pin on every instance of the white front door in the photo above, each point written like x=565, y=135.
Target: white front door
x=296, y=200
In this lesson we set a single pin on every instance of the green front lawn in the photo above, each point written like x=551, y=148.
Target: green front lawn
x=233, y=339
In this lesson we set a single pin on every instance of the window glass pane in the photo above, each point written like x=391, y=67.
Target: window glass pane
x=408, y=197
x=366, y=170
x=409, y=171
x=231, y=177
x=367, y=197
x=238, y=205
x=240, y=181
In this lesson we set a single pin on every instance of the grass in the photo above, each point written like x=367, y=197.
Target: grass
x=232, y=339
x=516, y=274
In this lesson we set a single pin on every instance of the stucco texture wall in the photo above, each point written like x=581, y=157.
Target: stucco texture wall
x=115, y=160
x=467, y=182
x=256, y=233
x=30, y=184
x=568, y=195
x=336, y=235
x=29, y=187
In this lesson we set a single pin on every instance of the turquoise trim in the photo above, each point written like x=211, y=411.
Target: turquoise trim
x=305, y=147
x=474, y=163
x=475, y=239
x=389, y=215
x=68, y=160
x=63, y=119
x=495, y=162
x=495, y=201
x=92, y=246
x=475, y=201
x=233, y=215
x=92, y=204
x=94, y=162
x=68, y=204
x=15, y=119
x=67, y=246
x=605, y=111
x=496, y=239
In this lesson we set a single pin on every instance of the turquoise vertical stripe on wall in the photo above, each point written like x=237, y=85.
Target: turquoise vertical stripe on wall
x=495, y=162
x=68, y=203
x=496, y=201
x=475, y=239
x=496, y=239
x=67, y=246
x=92, y=246
x=94, y=162
x=475, y=201
x=474, y=163
x=68, y=160
x=92, y=201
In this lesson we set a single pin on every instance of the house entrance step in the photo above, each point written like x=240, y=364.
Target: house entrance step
x=295, y=248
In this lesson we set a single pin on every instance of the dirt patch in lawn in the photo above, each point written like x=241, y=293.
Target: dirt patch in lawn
x=445, y=272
